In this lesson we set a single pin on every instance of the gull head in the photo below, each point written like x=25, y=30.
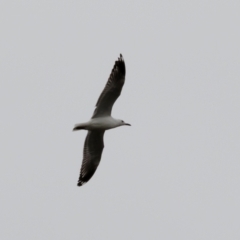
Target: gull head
x=122, y=123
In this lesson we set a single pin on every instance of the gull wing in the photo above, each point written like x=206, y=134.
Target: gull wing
x=92, y=153
x=112, y=90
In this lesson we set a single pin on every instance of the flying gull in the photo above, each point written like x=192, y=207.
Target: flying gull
x=101, y=121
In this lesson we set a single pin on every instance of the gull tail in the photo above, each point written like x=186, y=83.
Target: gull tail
x=80, y=126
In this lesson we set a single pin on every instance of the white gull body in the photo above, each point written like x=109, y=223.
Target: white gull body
x=101, y=121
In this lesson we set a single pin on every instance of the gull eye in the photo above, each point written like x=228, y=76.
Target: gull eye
x=122, y=121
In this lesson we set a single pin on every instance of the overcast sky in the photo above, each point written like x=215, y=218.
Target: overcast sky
x=174, y=174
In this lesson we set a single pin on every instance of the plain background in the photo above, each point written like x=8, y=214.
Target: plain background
x=174, y=174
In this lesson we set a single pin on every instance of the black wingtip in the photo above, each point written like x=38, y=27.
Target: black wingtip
x=121, y=58
x=120, y=64
x=80, y=183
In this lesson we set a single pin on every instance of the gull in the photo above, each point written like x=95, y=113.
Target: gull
x=101, y=121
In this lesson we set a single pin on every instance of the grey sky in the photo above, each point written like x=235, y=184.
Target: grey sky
x=174, y=174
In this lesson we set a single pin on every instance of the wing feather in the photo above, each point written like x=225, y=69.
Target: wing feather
x=92, y=153
x=112, y=89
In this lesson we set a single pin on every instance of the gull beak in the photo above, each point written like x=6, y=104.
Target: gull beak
x=127, y=124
